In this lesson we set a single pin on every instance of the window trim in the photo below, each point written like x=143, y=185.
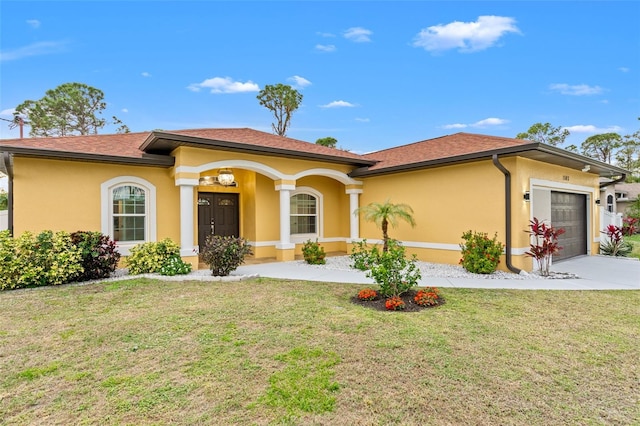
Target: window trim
x=106, y=209
x=300, y=238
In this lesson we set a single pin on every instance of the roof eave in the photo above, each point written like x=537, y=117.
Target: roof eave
x=145, y=160
x=154, y=144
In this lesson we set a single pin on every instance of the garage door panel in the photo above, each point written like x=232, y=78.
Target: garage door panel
x=569, y=211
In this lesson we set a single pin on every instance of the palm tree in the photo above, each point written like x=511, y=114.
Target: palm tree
x=383, y=214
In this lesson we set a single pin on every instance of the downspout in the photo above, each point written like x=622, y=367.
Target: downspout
x=507, y=212
x=8, y=167
x=613, y=182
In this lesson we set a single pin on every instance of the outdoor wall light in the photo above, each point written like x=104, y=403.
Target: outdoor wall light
x=598, y=201
x=527, y=196
x=225, y=177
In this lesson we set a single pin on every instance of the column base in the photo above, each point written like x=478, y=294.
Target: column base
x=284, y=255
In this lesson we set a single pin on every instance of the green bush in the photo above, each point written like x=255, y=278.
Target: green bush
x=224, y=254
x=313, y=253
x=99, y=255
x=362, y=256
x=480, y=255
x=148, y=258
x=175, y=266
x=38, y=260
x=392, y=271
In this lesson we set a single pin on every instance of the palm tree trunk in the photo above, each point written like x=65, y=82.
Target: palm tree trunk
x=385, y=235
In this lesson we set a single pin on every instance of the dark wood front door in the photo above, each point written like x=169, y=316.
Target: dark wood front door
x=218, y=214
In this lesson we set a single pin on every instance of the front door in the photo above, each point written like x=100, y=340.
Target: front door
x=218, y=214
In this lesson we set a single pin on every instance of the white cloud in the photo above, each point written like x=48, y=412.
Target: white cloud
x=624, y=69
x=338, y=104
x=363, y=120
x=145, y=74
x=358, y=34
x=492, y=121
x=576, y=90
x=8, y=112
x=224, y=85
x=124, y=110
x=455, y=126
x=321, y=34
x=590, y=128
x=298, y=81
x=466, y=36
x=326, y=47
x=34, y=49
x=33, y=23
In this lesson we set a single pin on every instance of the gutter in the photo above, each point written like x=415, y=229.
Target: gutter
x=7, y=167
x=613, y=182
x=507, y=212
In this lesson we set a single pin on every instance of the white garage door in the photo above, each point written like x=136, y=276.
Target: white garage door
x=569, y=211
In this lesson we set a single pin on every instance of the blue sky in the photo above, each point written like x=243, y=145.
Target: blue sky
x=373, y=74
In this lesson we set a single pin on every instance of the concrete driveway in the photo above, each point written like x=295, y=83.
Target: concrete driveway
x=603, y=272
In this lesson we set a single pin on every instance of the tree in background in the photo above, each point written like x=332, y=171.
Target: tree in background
x=282, y=100
x=328, y=142
x=4, y=199
x=628, y=155
x=545, y=133
x=601, y=147
x=69, y=109
x=383, y=214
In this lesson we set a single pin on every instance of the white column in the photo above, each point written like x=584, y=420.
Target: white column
x=186, y=216
x=354, y=220
x=285, y=212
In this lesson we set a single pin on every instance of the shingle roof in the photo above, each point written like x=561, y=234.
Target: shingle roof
x=444, y=147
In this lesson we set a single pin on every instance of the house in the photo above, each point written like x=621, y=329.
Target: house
x=278, y=192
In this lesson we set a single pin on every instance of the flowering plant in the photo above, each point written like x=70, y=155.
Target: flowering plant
x=367, y=294
x=427, y=296
x=394, y=303
x=480, y=254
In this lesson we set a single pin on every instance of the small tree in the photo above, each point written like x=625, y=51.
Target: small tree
x=282, y=100
x=383, y=214
x=328, y=142
x=546, y=244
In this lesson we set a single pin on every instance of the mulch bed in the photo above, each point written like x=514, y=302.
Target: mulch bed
x=407, y=298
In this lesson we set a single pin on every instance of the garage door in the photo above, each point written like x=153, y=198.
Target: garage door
x=569, y=211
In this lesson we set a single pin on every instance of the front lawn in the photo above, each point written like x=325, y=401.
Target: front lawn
x=634, y=240
x=292, y=352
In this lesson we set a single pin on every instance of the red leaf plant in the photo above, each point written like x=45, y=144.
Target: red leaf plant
x=545, y=244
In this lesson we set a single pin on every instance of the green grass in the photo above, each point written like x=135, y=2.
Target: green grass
x=293, y=352
x=634, y=240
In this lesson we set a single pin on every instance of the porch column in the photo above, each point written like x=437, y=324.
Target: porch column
x=285, y=250
x=354, y=220
x=186, y=216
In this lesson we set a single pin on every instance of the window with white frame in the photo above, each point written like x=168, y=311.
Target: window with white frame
x=128, y=211
x=305, y=207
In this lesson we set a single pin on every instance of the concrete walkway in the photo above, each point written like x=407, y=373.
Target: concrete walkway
x=594, y=272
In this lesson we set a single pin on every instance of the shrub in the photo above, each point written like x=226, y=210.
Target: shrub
x=630, y=225
x=480, y=255
x=149, y=257
x=175, y=266
x=392, y=271
x=367, y=294
x=546, y=244
x=313, y=253
x=427, y=296
x=363, y=257
x=394, y=303
x=615, y=244
x=37, y=260
x=99, y=255
x=224, y=254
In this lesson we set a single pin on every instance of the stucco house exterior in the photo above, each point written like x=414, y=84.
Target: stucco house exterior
x=278, y=192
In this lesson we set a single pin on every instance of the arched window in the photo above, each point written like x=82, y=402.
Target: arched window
x=305, y=208
x=128, y=211
x=610, y=203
